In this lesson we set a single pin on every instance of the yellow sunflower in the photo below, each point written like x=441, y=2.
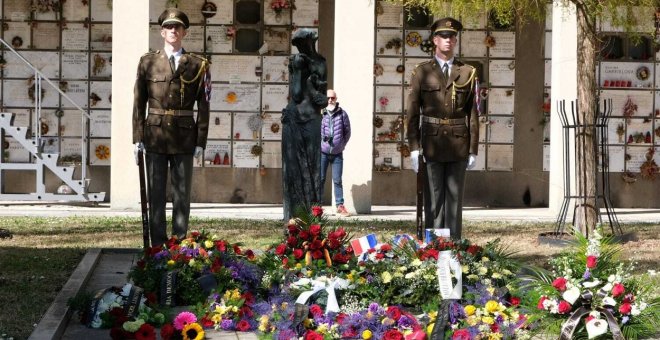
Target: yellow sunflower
x=193, y=331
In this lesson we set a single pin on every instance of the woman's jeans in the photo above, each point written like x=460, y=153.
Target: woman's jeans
x=337, y=169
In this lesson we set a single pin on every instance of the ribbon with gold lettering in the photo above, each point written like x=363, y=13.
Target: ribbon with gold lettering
x=569, y=326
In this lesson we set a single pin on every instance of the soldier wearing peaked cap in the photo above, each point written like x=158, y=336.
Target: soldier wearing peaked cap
x=169, y=83
x=443, y=127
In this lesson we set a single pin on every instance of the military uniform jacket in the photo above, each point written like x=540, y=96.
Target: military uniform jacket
x=449, y=129
x=170, y=127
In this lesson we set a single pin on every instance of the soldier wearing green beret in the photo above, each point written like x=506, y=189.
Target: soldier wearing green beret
x=443, y=126
x=169, y=83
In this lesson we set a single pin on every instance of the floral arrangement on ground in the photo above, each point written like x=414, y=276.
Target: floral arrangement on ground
x=316, y=284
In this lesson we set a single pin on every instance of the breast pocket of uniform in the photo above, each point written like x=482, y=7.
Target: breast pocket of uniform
x=430, y=92
x=157, y=86
x=185, y=122
x=154, y=120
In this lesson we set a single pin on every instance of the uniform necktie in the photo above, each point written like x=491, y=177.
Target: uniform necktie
x=445, y=70
x=172, y=64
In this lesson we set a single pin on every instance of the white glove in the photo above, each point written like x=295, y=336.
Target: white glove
x=138, y=147
x=414, y=160
x=198, y=151
x=472, y=161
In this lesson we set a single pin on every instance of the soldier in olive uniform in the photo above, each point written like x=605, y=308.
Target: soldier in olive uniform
x=169, y=83
x=442, y=125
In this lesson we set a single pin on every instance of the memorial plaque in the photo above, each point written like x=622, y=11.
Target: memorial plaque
x=100, y=65
x=306, y=13
x=391, y=130
x=388, y=99
x=389, y=42
x=618, y=74
x=243, y=126
x=46, y=62
x=236, y=69
x=194, y=41
x=17, y=92
x=219, y=125
x=218, y=153
x=243, y=157
x=548, y=45
x=389, y=71
x=16, y=10
x=100, y=96
x=100, y=123
x=17, y=34
x=75, y=65
x=274, y=97
x=193, y=9
x=99, y=152
x=71, y=124
x=409, y=66
x=639, y=131
x=388, y=157
x=101, y=37
x=472, y=44
x=74, y=11
x=391, y=15
x=280, y=17
x=75, y=37
x=50, y=144
x=224, y=13
x=275, y=69
x=636, y=156
x=272, y=127
x=616, y=156
x=500, y=158
x=547, y=75
x=477, y=22
x=616, y=131
x=271, y=157
x=155, y=39
x=72, y=148
x=505, y=45
x=22, y=117
x=76, y=91
x=546, y=157
x=43, y=37
x=217, y=40
x=500, y=129
x=629, y=103
x=276, y=41
x=500, y=101
x=412, y=41
x=156, y=7
x=48, y=124
x=502, y=72
x=101, y=10
x=294, y=50
x=233, y=97
x=16, y=153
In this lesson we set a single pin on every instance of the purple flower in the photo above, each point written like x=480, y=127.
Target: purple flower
x=227, y=324
x=287, y=334
x=586, y=275
x=405, y=321
x=373, y=307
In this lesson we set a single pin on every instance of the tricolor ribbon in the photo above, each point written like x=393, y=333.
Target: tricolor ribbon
x=319, y=285
x=569, y=326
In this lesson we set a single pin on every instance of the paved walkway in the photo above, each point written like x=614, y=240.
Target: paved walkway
x=102, y=268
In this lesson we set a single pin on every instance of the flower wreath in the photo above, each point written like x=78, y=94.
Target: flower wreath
x=17, y=42
x=378, y=122
x=256, y=150
x=413, y=39
x=426, y=46
x=102, y=152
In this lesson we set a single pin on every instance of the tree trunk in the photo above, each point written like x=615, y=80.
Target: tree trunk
x=586, y=212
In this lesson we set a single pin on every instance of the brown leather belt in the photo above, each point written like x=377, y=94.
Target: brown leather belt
x=164, y=112
x=443, y=121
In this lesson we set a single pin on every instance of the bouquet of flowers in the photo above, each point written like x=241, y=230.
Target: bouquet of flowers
x=279, y=5
x=231, y=311
x=589, y=293
x=195, y=266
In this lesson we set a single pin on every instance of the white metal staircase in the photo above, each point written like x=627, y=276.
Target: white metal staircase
x=29, y=139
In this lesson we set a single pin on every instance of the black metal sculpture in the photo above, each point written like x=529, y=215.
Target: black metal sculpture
x=301, y=122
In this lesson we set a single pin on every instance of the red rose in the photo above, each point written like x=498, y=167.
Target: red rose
x=293, y=229
x=281, y=249
x=514, y=301
x=315, y=229
x=221, y=245
x=385, y=247
x=146, y=332
x=298, y=253
x=564, y=307
x=393, y=334
x=540, y=304
x=316, y=244
x=559, y=283
x=237, y=249
x=342, y=258
x=285, y=261
x=304, y=235
x=625, y=308
x=618, y=289
x=245, y=311
x=380, y=256
x=317, y=211
x=249, y=298
x=206, y=322
x=194, y=234
x=334, y=243
x=591, y=261
x=316, y=310
x=340, y=318
x=393, y=312
x=216, y=265
x=461, y=334
x=291, y=241
x=473, y=249
x=249, y=254
x=317, y=254
x=311, y=335
x=495, y=328
x=243, y=326
x=349, y=333
x=167, y=331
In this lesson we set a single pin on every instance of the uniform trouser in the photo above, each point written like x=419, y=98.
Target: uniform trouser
x=180, y=167
x=443, y=196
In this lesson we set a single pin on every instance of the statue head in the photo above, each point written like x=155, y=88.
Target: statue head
x=305, y=40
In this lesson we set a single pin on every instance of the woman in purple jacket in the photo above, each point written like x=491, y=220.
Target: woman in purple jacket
x=335, y=133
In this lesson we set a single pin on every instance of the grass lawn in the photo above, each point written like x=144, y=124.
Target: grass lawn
x=43, y=252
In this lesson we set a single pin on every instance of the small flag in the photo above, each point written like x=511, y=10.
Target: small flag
x=363, y=244
x=477, y=96
x=431, y=234
x=402, y=239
